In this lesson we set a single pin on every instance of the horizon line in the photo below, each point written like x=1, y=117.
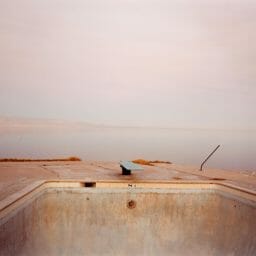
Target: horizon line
x=130, y=126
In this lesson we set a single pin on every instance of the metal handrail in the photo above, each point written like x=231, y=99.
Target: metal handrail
x=201, y=167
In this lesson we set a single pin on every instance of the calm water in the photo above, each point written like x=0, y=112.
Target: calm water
x=237, y=152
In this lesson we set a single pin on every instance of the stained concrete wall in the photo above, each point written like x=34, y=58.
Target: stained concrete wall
x=93, y=221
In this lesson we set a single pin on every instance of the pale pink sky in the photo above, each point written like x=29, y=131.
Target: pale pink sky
x=168, y=63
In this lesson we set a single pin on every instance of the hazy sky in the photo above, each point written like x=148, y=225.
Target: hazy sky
x=130, y=62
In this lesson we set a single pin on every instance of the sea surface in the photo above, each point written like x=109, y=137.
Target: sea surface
x=181, y=146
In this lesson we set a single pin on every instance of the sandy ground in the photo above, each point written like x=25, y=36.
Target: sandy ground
x=16, y=176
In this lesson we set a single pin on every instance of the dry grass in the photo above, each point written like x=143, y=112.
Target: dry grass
x=72, y=158
x=161, y=162
x=150, y=163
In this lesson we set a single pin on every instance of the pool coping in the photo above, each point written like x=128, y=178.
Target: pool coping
x=15, y=200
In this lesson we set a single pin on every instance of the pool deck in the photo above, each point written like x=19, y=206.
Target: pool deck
x=15, y=177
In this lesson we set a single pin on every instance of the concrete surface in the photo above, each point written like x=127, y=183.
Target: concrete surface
x=100, y=221
x=46, y=209
x=16, y=176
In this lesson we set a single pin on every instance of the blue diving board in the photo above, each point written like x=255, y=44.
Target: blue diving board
x=128, y=166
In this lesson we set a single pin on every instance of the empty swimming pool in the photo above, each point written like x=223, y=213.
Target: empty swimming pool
x=125, y=219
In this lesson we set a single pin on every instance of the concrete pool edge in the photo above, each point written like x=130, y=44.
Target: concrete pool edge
x=17, y=199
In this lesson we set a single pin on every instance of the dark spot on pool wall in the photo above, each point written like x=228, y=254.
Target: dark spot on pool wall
x=131, y=204
x=90, y=184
